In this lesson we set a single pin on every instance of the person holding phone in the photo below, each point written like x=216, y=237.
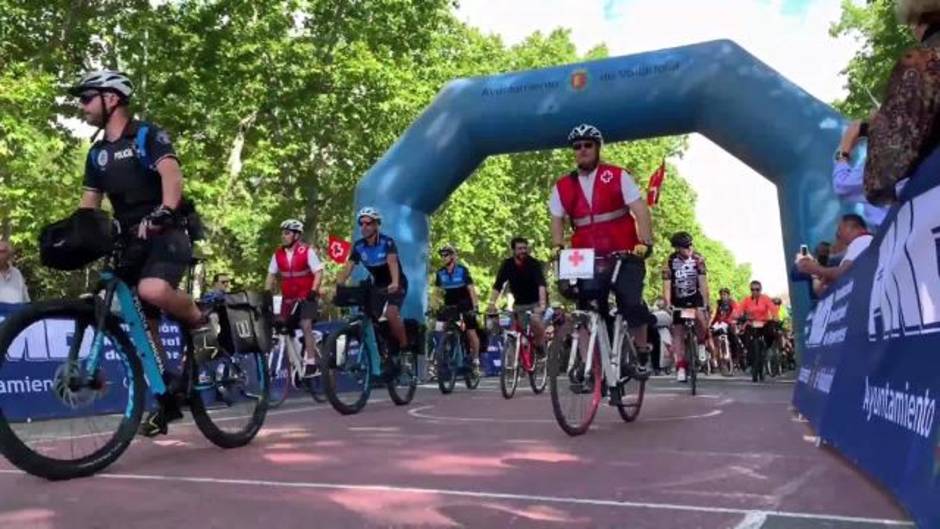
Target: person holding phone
x=848, y=175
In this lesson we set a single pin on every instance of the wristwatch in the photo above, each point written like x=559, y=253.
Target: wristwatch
x=841, y=155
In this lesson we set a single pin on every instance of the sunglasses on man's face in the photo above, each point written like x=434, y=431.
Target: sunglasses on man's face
x=445, y=254
x=87, y=97
x=366, y=222
x=584, y=145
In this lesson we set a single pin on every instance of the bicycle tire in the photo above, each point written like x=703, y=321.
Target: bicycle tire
x=207, y=424
x=363, y=368
x=691, y=355
x=509, y=374
x=630, y=403
x=404, y=394
x=538, y=377
x=314, y=385
x=279, y=390
x=446, y=362
x=725, y=362
x=21, y=455
x=558, y=374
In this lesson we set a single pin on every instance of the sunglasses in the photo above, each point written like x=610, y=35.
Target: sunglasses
x=445, y=254
x=87, y=97
x=366, y=222
x=582, y=145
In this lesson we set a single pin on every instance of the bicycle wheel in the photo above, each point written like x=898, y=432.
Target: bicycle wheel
x=773, y=361
x=725, y=362
x=575, y=394
x=691, y=356
x=78, y=416
x=632, y=389
x=314, y=384
x=229, y=397
x=448, y=351
x=347, y=370
x=509, y=373
x=279, y=372
x=538, y=377
x=405, y=382
x=471, y=378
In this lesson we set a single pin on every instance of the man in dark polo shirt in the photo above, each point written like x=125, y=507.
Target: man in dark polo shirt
x=526, y=280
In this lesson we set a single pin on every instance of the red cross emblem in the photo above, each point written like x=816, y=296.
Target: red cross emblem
x=607, y=176
x=576, y=258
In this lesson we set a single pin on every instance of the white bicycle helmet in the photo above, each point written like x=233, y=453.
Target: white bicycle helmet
x=370, y=212
x=106, y=81
x=585, y=132
x=293, y=225
x=447, y=248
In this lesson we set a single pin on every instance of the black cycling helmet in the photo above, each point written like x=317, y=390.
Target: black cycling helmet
x=681, y=239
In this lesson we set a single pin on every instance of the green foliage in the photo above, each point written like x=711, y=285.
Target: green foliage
x=276, y=108
x=882, y=41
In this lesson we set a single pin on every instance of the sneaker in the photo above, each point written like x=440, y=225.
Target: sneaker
x=156, y=423
x=476, y=368
x=680, y=375
x=636, y=372
x=310, y=370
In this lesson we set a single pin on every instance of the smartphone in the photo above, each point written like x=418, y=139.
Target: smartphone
x=804, y=250
x=863, y=130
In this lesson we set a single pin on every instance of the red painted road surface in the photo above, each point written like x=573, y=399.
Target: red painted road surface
x=734, y=457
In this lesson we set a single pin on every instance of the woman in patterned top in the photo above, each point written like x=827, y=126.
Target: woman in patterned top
x=906, y=128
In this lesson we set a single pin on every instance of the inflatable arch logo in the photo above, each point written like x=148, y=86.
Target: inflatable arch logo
x=715, y=88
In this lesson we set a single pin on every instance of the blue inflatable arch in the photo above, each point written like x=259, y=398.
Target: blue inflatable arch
x=715, y=88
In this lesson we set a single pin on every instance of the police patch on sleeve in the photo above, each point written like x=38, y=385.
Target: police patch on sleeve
x=102, y=158
x=163, y=137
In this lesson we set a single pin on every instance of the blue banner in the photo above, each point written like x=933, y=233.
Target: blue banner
x=26, y=377
x=871, y=366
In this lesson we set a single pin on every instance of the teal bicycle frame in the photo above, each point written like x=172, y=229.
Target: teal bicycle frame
x=130, y=314
x=370, y=342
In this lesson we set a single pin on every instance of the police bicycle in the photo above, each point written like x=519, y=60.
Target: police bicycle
x=93, y=396
x=358, y=354
x=452, y=354
x=585, y=365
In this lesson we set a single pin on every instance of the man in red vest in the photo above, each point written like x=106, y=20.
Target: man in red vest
x=300, y=271
x=609, y=214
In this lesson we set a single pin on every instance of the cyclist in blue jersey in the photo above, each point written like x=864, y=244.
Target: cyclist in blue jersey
x=459, y=291
x=379, y=254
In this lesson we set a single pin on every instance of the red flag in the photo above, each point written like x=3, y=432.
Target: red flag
x=339, y=249
x=656, y=182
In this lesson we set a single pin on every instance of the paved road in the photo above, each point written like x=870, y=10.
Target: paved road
x=734, y=457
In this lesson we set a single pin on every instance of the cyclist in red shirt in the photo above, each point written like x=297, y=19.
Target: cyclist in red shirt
x=608, y=214
x=757, y=310
x=300, y=270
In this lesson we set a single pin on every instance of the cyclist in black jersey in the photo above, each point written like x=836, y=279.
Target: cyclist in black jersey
x=685, y=285
x=135, y=166
x=526, y=279
x=378, y=253
x=459, y=291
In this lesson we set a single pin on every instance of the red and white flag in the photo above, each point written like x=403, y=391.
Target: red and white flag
x=656, y=182
x=339, y=249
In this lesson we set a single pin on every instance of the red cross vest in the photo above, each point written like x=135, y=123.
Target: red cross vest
x=605, y=224
x=296, y=276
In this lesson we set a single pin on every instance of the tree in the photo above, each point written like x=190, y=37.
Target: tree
x=883, y=40
x=276, y=108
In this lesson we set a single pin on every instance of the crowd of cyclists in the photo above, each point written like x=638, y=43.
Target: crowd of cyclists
x=135, y=166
